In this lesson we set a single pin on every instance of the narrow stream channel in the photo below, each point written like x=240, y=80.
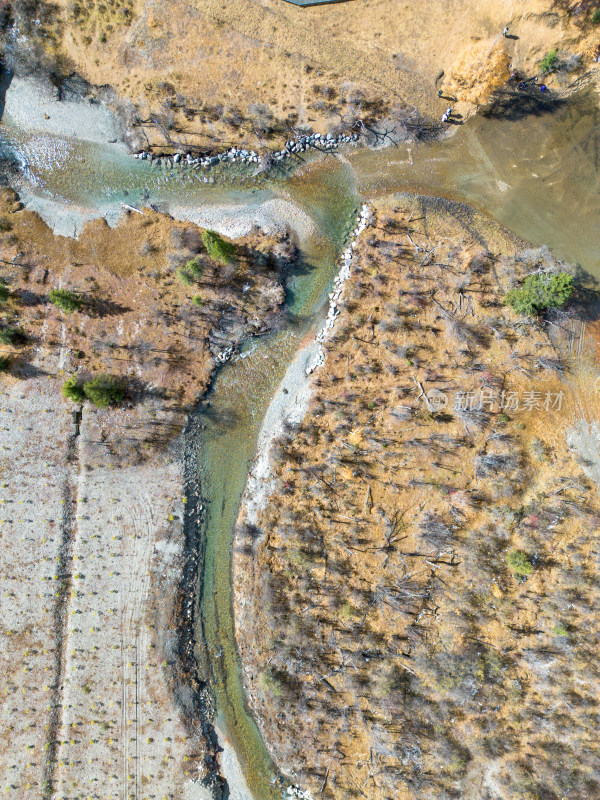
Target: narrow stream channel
x=239, y=400
x=537, y=175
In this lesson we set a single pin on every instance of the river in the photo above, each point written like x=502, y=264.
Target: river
x=537, y=174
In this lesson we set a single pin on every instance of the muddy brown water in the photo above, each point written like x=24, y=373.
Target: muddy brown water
x=539, y=175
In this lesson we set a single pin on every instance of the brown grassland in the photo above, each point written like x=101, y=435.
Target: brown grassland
x=138, y=320
x=424, y=579
x=206, y=73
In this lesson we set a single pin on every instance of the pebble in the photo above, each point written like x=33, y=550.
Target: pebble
x=292, y=146
x=364, y=218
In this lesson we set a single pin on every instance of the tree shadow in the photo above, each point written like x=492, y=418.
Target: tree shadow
x=299, y=268
x=584, y=303
x=219, y=420
x=29, y=298
x=6, y=77
x=100, y=308
x=26, y=370
x=514, y=105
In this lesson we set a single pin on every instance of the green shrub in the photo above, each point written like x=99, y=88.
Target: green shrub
x=65, y=300
x=596, y=17
x=104, y=390
x=12, y=335
x=195, y=268
x=519, y=562
x=197, y=300
x=269, y=684
x=540, y=292
x=549, y=61
x=191, y=273
x=4, y=292
x=182, y=275
x=73, y=390
x=4, y=363
x=218, y=248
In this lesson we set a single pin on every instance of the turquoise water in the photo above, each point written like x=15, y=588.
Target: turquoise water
x=239, y=400
x=539, y=176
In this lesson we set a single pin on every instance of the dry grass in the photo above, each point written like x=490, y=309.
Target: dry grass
x=138, y=320
x=392, y=650
x=257, y=72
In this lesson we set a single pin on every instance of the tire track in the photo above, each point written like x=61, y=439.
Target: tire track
x=64, y=575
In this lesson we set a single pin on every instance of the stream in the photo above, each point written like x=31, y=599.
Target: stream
x=538, y=174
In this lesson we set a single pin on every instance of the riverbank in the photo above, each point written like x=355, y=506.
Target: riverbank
x=33, y=105
x=235, y=221
x=369, y=604
x=323, y=68
x=121, y=641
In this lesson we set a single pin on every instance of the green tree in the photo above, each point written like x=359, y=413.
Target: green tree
x=217, y=248
x=519, y=562
x=4, y=363
x=4, y=292
x=596, y=17
x=540, y=292
x=184, y=276
x=104, y=390
x=549, y=61
x=12, y=335
x=65, y=300
x=191, y=273
x=73, y=390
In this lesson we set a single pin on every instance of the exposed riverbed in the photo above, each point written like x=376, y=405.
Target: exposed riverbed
x=538, y=175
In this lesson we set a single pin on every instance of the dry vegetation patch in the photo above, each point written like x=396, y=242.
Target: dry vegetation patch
x=206, y=74
x=423, y=584
x=151, y=306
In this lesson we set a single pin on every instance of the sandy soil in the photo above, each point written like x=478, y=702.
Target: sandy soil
x=232, y=771
x=289, y=405
x=92, y=563
x=271, y=217
x=33, y=106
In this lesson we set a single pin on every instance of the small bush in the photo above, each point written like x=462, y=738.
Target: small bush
x=519, y=562
x=218, y=248
x=4, y=292
x=65, y=300
x=183, y=276
x=4, y=363
x=269, y=684
x=549, y=61
x=104, y=390
x=596, y=17
x=197, y=300
x=12, y=335
x=191, y=273
x=540, y=292
x=73, y=390
x=195, y=268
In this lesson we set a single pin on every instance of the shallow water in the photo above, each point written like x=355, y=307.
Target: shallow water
x=539, y=176
x=239, y=401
